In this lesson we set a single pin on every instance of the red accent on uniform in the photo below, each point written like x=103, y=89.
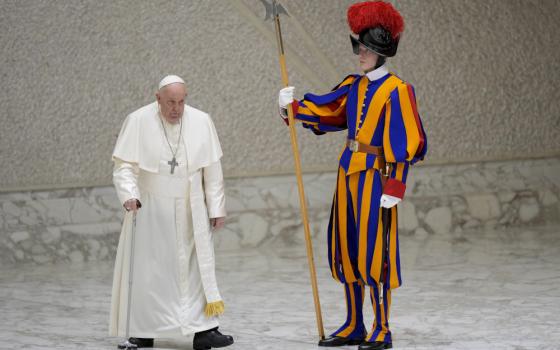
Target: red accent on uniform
x=370, y=14
x=336, y=121
x=416, y=119
x=394, y=188
x=295, y=107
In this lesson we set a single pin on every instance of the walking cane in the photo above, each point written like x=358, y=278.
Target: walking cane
x=127, y=344
x=274, y=9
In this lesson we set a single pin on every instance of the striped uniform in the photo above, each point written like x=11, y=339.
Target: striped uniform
x=379, y=112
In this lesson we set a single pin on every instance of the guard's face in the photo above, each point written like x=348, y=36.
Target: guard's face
x=171, y=99
x=368, y=58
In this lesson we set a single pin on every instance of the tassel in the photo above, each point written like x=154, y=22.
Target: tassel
x=214, y=309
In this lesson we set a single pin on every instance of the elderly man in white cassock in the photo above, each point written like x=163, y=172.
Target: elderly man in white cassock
x=167, y=172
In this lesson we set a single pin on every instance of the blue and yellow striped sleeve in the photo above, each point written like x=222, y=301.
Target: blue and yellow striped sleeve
x=324, y=113
x=404, y=139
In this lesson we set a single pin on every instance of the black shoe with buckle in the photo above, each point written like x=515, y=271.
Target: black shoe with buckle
x=375, y=345
x=339, y=341
x=211, y=338
x=139, y=342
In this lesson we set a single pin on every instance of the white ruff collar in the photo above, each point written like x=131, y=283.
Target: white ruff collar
x=377, y=73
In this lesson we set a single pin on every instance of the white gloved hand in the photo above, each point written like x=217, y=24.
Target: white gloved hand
x=286, y=96
x=388, y=201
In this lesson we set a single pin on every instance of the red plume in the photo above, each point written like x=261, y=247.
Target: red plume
x=370, y=14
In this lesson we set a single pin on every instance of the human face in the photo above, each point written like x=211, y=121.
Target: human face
x=171, y=99
x=368, y=58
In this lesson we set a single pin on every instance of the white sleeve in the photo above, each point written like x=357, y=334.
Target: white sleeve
x=214, y=190
x=125, y=179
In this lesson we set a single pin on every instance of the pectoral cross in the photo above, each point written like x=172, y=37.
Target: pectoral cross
x=173, y=163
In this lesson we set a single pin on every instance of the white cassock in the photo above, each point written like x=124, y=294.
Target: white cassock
x=174, y=289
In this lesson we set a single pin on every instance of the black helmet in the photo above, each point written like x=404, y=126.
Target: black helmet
x=378, y=40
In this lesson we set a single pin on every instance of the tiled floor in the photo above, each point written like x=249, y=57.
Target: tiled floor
x=480, y=290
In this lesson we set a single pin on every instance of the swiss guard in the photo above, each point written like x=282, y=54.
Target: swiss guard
x=385, y=137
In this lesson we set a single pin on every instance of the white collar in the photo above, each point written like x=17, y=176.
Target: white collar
x=377, y=73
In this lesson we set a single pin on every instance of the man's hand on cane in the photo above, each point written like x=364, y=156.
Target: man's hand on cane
x=132, y=204
x=217, y=223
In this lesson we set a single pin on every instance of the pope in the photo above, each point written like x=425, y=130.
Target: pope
x=167, y=170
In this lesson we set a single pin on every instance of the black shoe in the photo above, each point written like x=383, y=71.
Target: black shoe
x=339, y=341
x=375, y=345
x=211, y=338
x=140, y=343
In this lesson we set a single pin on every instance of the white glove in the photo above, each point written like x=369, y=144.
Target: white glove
x=286, y=96
x=388, y=201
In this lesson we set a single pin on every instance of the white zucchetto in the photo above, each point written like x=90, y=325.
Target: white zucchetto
x=170, y=79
